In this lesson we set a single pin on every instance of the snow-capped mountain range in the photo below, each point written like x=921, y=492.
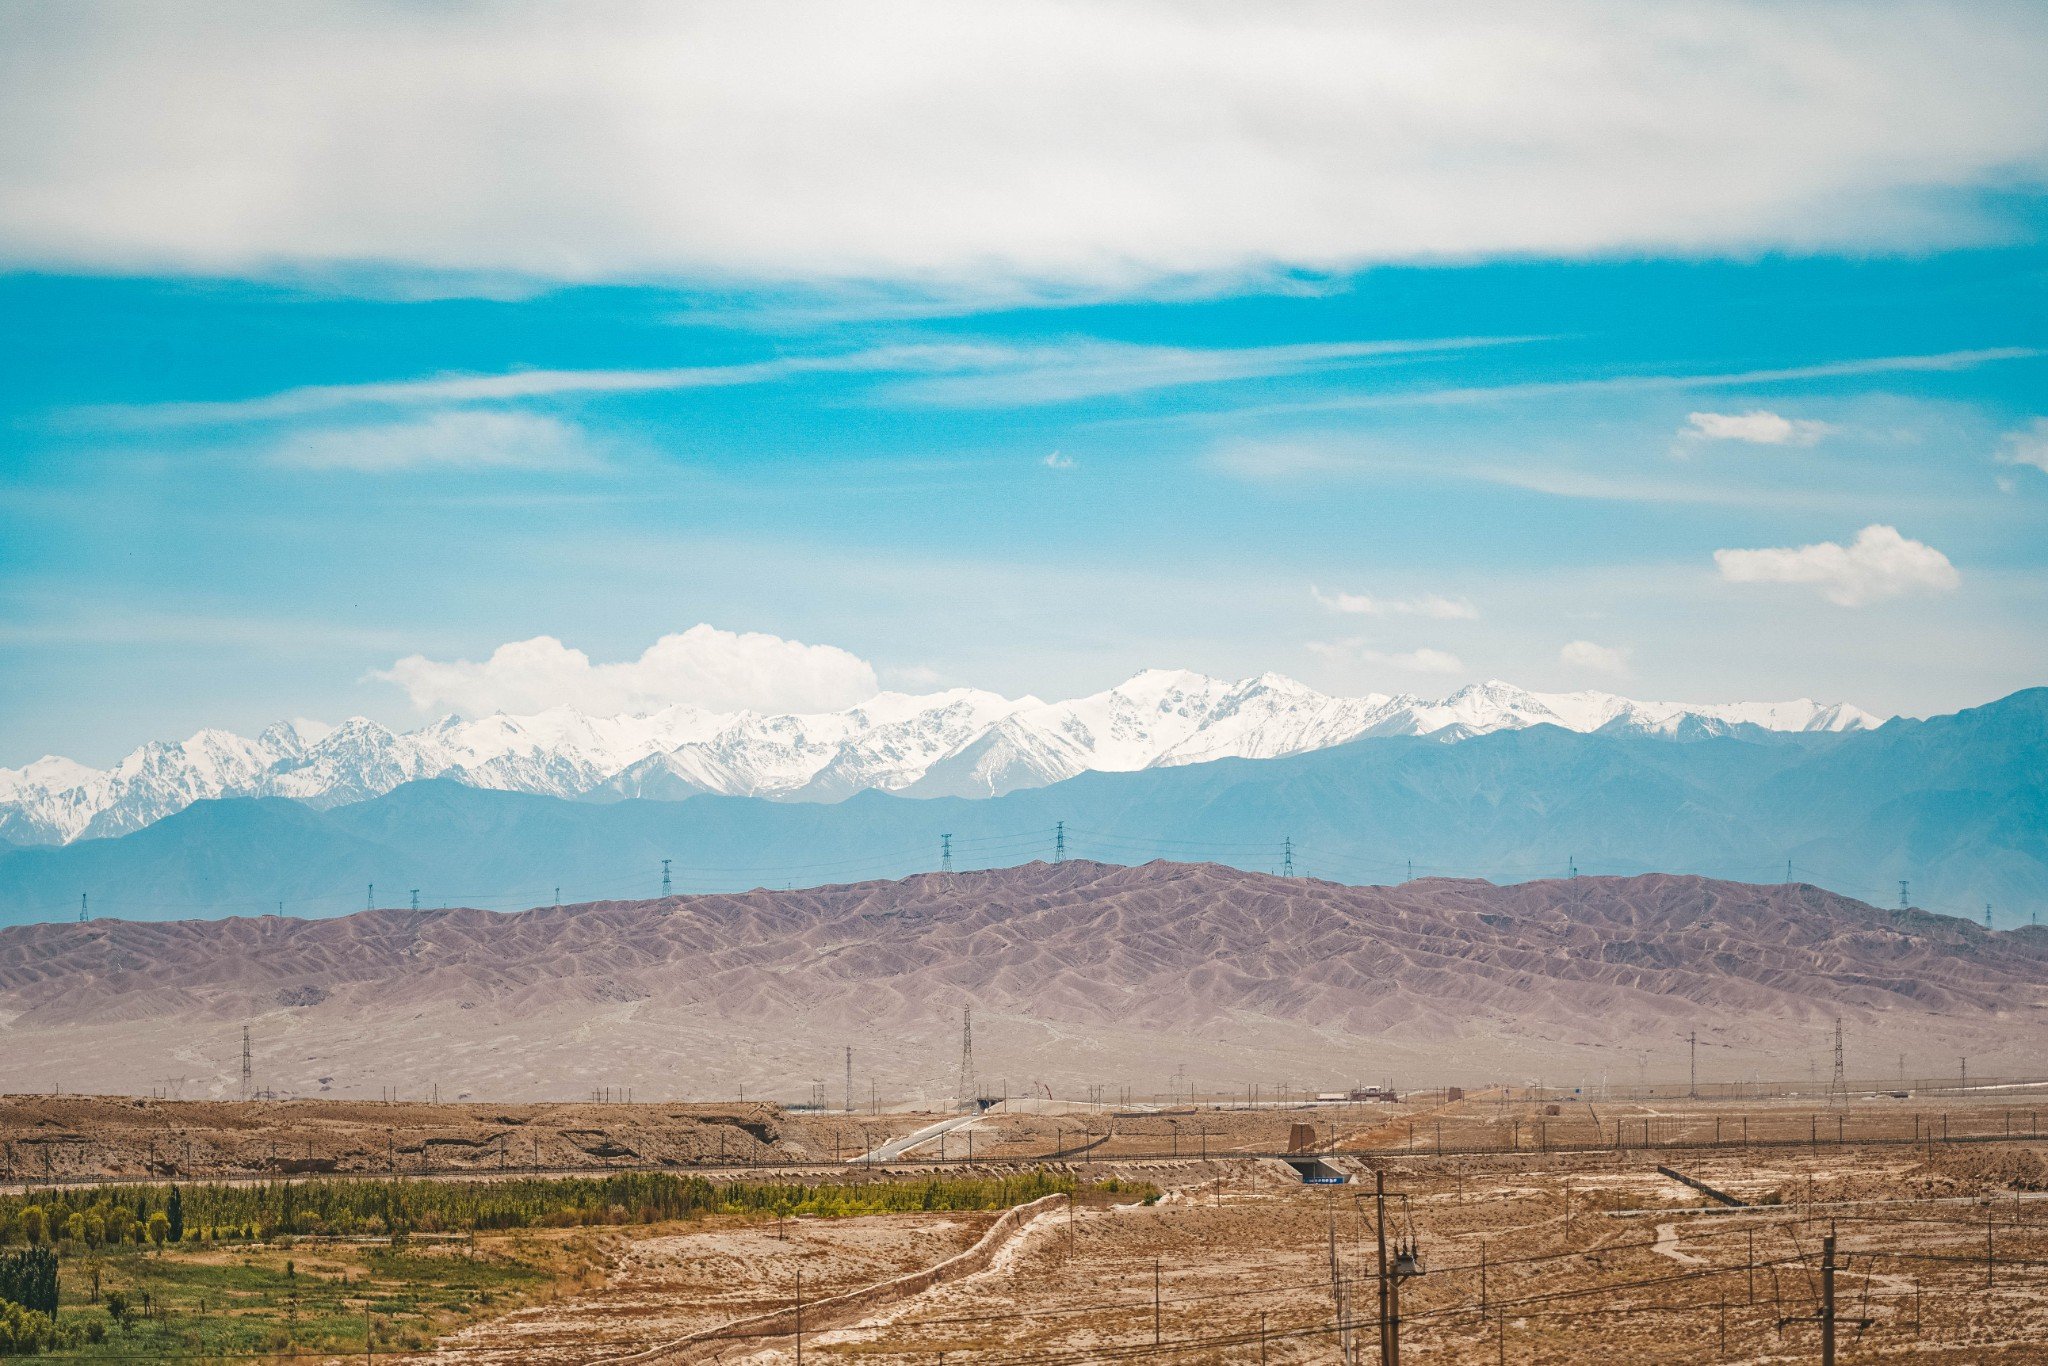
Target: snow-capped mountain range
x=959, y=743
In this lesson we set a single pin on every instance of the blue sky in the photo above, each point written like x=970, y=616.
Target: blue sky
x=284, y=413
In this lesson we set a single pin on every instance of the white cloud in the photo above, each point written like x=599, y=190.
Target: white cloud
x=1420, y=661
x=1879, y=564
x=2027, y=446
x=922, y=677
x=1108, y=146
x=1056, y=461
x=1423, y=661
x=1931, y=363
x=946, y=374
x=1430, y=605
x=1086, y=368
x=1757, y=427
x=1584, y=655
x=703, y=667
x=449, y=440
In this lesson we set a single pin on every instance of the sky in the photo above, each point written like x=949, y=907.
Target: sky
x=399, y=359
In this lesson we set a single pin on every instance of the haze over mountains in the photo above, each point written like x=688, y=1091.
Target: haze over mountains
x=1078, y=973
x=1957, y=805
x=960, y=743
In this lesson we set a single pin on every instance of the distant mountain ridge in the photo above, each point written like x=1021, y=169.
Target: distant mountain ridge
x=1076, y=972
x=1957, y=806
x=958, y=743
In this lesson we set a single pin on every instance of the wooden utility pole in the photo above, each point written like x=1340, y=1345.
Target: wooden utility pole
x=1394, y=1320
x=1827, y=1300
x=1390, y=1354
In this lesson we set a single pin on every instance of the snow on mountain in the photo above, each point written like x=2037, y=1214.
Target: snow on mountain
x=957, y=743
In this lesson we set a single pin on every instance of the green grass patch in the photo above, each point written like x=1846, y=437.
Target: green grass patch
x=193, y=1301
x=314, y=1266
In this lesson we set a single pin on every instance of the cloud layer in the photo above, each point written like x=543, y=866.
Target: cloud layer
x=1041, y=142
x=2027, y=446
x=1422, y=660
x=702, y=667
x=952, y=374
x=1879, y=564
x=1430, y=605
x=1587, y=657
x=1757, y=427
x=455, y=440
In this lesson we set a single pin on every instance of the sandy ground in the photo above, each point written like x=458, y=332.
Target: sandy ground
x=1527, y=1256
x=76, y=1137
x=663, y=1287
x=82, y=1137
x=1542, y=1237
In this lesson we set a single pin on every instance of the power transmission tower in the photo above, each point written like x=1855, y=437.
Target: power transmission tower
x=1838, y=1084
x=1059, y=841
x=945, y=853
x=247, y=1070
x=1987, y=915
x=1692, y=1043
x=666, y=887
x=83, y=914
x=558, y=898
x=370, y=901
x=1902, y=894
x=1287, y=857
x=1788, y=870
x=415, y=898
x=849, y=1079
x=1571, y=865
x=967, y=1056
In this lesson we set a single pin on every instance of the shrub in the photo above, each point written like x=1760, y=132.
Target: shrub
x=26, y=1331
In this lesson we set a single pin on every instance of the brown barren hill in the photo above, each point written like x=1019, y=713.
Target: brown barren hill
x=1078, y=974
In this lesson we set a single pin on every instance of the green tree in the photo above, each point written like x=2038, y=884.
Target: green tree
x=34, y=1227
x=174, y=1209
x=29, y=1279
x=159, y=1228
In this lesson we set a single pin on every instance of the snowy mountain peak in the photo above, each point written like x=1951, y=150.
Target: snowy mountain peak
x=959, y=742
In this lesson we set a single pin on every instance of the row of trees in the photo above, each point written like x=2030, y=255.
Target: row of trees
x=91, y=1216
x=106, y=1222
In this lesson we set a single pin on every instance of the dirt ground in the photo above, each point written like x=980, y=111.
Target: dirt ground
x=1527, y=1256
x=77, y=1137
x=1539, y=1237
x=660, y=1288
x=81, y=1137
